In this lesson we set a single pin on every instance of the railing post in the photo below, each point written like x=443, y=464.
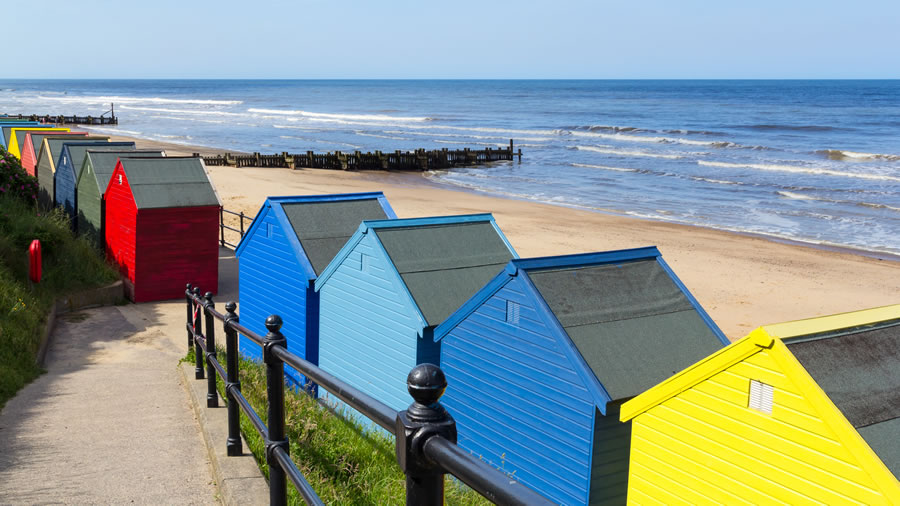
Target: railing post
x=198, y=351
x=222, y=226
x=242, y=224
x=190, y=316
x=212, y=397
x=423, y=419
x=233, y=382
x=275, y=393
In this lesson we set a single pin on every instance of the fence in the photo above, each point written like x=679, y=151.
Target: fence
x=223, y=227
x=418, y=160
x=425, y=432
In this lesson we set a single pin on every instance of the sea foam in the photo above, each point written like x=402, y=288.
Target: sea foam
x=799, y=170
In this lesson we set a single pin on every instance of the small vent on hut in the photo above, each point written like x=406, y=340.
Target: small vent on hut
x=761, y=396
x=512, y=312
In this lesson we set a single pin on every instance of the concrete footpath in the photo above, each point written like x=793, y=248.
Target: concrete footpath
x=110, y=422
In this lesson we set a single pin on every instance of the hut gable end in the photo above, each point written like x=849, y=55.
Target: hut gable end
x=771, y=418
x=121, y=226
x=367, y=310
x=70, y=163
x=519, y=401
x=272, y=281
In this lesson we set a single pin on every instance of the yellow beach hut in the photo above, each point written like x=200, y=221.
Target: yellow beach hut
x=17, y=137
x=804, y=412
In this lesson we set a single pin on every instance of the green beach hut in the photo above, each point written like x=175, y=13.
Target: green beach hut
x=93, y=179
x=46, y=165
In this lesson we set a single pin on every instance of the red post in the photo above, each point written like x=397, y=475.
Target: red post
x=34, y=261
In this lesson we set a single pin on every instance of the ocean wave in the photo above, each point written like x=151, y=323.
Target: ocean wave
x=89, y=99
x=799, y=170
x=656, y=139
x=366, y=134
x=790, y=128
x=619, y=152
x=321, y=141
x=800, y=196
x=715, y=181
x=693, y=132
x=468, y=136
x=181, y=111
x=332, y=116
x=839, y=154
x=112, y=131
x=604, y=167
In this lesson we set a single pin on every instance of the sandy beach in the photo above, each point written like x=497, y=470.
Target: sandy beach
x=742, y=281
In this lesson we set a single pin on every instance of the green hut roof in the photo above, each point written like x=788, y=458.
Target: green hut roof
x=38, y=138
x=169, y=182
x=324, y=227
x=859, y=370
x=55, y=144
x=632, y=324
x=104, y=162
x=444, y=265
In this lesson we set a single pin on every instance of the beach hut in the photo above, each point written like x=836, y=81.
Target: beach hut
x=96, y=170
x=67, y=168
x=45, y=168
x=162, y=224
x=32, y=147
x=805, y=412
x=540, y=359
x=288, y=245
x=388, y=288
x=16, y=137
x=7, y=125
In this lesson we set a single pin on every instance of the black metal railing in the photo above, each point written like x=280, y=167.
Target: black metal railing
x=223, y=227
x=425, y=432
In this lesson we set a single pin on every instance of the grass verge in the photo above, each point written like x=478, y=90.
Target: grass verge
x=69, y=264
x=344, y=463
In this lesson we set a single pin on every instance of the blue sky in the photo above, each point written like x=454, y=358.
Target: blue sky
x=460, y=39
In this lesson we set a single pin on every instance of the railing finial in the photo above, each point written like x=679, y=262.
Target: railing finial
x=424, y=419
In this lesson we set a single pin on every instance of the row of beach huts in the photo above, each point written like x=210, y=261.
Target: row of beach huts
x=155, y=216
x=591, y=378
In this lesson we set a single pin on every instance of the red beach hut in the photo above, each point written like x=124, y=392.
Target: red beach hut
x=162, y=221
x=32, y=147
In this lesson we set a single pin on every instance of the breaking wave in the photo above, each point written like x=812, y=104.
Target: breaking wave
x=799, y=170
x=839, y=154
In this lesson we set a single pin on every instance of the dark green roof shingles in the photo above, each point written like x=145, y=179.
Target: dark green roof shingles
x=860, y=373
x=444, y=265
x=324, y=227
x=169, y=182
x=630, y=321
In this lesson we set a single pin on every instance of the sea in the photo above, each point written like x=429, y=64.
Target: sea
x=813, y=161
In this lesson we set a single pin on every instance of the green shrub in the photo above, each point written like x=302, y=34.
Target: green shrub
x=14, y=181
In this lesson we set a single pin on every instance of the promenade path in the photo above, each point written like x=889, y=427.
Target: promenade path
x=110, y=421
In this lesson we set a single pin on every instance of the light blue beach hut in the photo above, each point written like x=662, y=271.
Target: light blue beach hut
x=288, y=245
x=391, y=285
x=68, y=167
x=540, y=359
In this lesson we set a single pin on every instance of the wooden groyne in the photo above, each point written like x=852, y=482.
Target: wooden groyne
x=418, y=160
x=107, y=118
x=67, y=120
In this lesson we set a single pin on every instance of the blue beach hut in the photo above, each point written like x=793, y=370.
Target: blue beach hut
x=391, y=285
x=7, y=126
x=540, y=359
x=68, y=167
x=289, y=244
